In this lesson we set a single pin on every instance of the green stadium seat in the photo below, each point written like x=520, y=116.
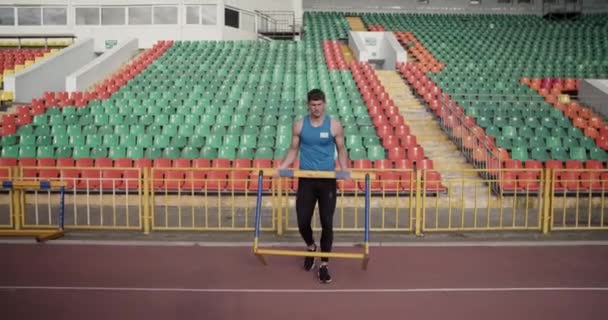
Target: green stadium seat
x=64, y=152
x=117, y=152
x=598, y=154
x=99, y=152
x=171, y=152
x=45, y=151
x=578, y=153
x=135, y=152
x=209, y=152
x=152, y=152
x=191, y=152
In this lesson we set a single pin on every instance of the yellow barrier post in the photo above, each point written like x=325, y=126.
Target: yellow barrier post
x=147, y=198
x=418, y=191
x=17, y=209
x=280, y=210
x=547, y=199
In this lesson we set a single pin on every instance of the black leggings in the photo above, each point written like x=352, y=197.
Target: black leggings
x=309, y=192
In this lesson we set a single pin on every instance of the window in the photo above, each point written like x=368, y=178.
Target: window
x=55, y=16
x=423, y=1
x=524, y=1
x=29, y=16
x=113, y=16
x=7, y=16
x=209, y=14
x=475, y=2
x=193, y=15
x=140, y=15
x=165, y=15
x=231, y=18
x=504, y=1
x=87, y=16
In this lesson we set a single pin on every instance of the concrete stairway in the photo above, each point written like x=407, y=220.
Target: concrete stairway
x=447, y=159
x=347, y=53
x=356, y=24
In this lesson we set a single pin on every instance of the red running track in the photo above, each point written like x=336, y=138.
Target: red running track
x=59, y=281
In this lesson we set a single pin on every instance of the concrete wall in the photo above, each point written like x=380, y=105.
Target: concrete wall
x=357, y=46
x=50, y=74
x=394, y=51
x=377, y=46
x=229, y=33
x=101, y=67
x=594, y=93
x=366, y=45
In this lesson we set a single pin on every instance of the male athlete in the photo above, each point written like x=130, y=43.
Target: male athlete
x=316, y=137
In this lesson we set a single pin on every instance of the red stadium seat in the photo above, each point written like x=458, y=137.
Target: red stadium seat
x=28, y=168
x=239, y=178
x=396, y=153
x=130, y=173
x=508, y=181
x=4, y=164
x=390, y=141
x=160, y=173
x=529, y=180
x=424, y=164
x=388, y=181
x=409, y=141
x=402, y=130
x=383, y=164
x=90, y=178
x=47, y=173
x=415, y=153
x=432, y=181
x=218, y=175
x=195, y=179
x=362, y=164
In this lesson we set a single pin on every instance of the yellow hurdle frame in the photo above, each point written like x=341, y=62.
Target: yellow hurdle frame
x=261, y=252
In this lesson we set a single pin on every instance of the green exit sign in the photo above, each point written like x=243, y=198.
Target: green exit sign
x=111, y=43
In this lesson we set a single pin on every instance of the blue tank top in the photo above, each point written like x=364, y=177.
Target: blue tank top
x=317, y=146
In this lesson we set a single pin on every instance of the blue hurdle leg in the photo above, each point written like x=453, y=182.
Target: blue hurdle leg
x=366, y=236
x=61, y=208
x=258, y=213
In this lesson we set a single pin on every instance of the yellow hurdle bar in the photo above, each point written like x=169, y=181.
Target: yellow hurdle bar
x=40, y=235
x=295, y=253
x=260, y=253
x=36, y=184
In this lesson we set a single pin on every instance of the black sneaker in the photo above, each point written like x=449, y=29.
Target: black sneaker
x=309, y=262
x=324, y=276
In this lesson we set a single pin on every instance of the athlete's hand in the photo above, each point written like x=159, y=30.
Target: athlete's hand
x=347, y=174
x=277, y=173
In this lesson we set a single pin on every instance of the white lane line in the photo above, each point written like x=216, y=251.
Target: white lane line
x=247, y=290
x=543, y=243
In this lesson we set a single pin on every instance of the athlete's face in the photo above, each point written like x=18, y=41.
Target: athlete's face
x=316, y=108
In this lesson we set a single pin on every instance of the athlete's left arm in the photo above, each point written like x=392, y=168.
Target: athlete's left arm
x=338, y=133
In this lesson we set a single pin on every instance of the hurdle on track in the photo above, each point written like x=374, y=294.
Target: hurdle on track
x=40, y=234
x=261, y=252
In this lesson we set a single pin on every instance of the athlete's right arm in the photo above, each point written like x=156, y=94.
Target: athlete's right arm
x=293, y=148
